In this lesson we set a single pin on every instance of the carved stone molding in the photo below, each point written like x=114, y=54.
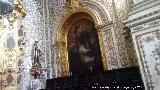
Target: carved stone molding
x=142, y=19
x=144, y=5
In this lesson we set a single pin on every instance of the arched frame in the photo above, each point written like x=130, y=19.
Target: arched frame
x=61, y=39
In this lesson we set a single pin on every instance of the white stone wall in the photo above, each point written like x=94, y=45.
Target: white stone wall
x=34, y=22
x=138, y=1
x=144, y=22
x=148, y=46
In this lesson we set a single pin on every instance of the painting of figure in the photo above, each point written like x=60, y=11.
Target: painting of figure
x=83, y=48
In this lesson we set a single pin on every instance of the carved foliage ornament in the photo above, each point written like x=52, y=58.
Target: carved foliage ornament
x=17, y=12
x=8, y=77
x=71, y=4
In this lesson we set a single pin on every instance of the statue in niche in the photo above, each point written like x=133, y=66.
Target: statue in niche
x=36, y=54
x=36, y=68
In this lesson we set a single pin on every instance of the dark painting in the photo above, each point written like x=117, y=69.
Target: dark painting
x=83, y=48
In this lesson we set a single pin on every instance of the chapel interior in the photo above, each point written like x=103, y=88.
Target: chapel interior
x=79, y=44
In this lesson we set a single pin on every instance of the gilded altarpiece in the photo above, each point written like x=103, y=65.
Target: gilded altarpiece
x=62, y=43
x=119, y=56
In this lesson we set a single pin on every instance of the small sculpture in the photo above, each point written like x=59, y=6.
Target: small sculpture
x=36, y=53
x=36, y=68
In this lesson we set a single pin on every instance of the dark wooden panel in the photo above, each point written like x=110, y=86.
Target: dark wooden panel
x=118, y=79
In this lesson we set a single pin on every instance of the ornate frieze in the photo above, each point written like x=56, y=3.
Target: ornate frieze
x=143, y=26
x=142, y=6
x=143, y=19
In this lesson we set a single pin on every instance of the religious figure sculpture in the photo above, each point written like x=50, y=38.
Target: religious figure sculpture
x=36, y=68
x=36, y=53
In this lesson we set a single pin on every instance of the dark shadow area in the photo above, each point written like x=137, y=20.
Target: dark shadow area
x=118, y=79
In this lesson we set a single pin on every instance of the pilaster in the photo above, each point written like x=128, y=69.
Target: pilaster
x=144, y=22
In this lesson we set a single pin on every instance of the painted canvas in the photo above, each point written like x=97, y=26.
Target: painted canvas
x=83, y=48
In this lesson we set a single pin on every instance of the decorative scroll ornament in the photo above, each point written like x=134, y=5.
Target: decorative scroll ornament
x=71, y=4
x=18, y=12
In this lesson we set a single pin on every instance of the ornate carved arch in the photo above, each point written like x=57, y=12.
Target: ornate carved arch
x=61, y=38
x=98, y=9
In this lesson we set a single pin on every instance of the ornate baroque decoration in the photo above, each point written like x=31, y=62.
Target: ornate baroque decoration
x=143, y=41
x=9, y=77
x=124, y=47
x=110, y=49
x=145, y=34
x=45, y=20
x=11, y=51
x=17, y=12
x=35, y=24
x=72, y=4
x=62, y=41
x=101, y=20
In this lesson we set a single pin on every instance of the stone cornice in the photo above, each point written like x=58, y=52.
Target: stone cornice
x=107, y=24
x=145, y=21
x=144, y=6
x=138, y=4
x=145, y=26
x=138, y=21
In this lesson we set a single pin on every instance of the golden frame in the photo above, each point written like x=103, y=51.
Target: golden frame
x=61, y=40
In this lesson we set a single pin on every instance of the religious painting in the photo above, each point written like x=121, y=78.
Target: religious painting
x=83, y=48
